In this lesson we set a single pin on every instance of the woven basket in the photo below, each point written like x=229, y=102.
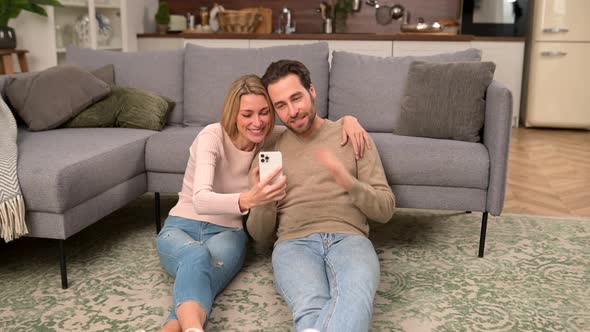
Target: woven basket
x=240, y=21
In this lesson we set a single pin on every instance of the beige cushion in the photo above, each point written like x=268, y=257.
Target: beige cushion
x=445, y=100
x=53, y=96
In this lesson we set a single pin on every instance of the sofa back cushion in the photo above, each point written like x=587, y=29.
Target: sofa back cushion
x=445, y=100
x=210, y=71
x=161, y=72
x=370, y=87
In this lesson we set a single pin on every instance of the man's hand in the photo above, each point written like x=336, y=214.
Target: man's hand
x=359, y=138
x=339, y=172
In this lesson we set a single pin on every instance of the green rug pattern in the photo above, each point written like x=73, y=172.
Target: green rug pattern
x=535, y=277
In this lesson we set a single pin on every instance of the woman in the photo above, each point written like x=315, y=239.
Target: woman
x=202, y=243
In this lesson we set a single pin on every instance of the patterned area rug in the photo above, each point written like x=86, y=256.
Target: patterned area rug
x=534, y=277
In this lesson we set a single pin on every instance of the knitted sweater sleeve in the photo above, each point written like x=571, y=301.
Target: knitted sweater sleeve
x=205, y=152
x=371, y=192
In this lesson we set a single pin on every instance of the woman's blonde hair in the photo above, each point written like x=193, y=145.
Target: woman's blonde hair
x=245, y=85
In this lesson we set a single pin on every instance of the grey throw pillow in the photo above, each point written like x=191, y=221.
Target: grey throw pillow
x=53, y=96
x=105, y=74
x=370, y=87
x=445, y=100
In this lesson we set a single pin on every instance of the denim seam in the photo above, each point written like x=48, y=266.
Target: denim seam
x=333, y=300
x=282, y=291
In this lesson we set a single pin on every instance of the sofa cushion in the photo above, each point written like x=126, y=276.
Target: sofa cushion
x=168, y=151
x=161, y=72
x=210, y=71
x=445, y=100
x=59, y=169
x=370, y=87
x=423, y=161
x=143, y=109
x=127, y=108
x=105, y=74
x=53, y=96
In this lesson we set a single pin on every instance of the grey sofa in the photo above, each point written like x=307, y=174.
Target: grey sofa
x=71, y=178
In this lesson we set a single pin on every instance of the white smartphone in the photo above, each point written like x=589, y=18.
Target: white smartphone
x=268, y=161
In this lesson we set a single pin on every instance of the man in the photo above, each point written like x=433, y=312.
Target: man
x=324, y=265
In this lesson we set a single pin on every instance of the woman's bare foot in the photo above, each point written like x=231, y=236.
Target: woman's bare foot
x=171, y=326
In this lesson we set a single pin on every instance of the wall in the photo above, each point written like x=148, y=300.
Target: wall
x=308, y=21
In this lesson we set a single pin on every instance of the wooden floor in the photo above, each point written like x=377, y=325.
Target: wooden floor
x=549, y=172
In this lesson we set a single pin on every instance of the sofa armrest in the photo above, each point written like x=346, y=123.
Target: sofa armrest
x=496, y=138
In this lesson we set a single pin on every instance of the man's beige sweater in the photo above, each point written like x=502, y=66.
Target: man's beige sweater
x=315, y=203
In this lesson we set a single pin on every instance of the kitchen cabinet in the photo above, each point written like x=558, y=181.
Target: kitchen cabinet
x=407, y=48
x=561, y=20
x=367, y=47
x=509, y=60
x=557, y=94
x=557, y=86
x=219, y=43
x=260, y=43
x=159, y=44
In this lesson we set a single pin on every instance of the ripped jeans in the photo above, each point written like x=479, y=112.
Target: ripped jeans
x=203, y=258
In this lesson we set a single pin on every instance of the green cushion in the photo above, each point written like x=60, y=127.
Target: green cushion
x=143, y=109
x=101, y=114
x=126, y=107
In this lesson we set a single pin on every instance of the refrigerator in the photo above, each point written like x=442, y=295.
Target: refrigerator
x=558, y=69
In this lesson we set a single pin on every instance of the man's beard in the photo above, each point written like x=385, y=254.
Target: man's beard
x=311, y=115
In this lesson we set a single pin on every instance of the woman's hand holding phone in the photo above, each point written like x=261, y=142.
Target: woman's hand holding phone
x=263, y=192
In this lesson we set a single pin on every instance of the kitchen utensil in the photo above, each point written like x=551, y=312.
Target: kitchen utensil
x=397, y=11
x=356, y=5
x=386, y=14
x=328, y=25
x=383, y=14
x=213, y=19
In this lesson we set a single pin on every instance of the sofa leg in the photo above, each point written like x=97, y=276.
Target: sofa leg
x=62, y=264
x=157, y=205
x=482, y=236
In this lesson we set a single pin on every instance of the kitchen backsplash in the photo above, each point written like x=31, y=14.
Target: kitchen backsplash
x=309, y=21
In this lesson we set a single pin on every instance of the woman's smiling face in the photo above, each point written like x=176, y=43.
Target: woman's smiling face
x=253, y=121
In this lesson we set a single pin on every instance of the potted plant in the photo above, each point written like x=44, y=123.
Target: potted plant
x=163, y=17
x=342, y=9
x=10, y=9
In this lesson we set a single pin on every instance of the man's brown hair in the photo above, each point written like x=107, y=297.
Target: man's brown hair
x=280, y=69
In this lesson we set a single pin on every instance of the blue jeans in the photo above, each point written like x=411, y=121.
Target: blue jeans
x=202, y=257
x=328, y=280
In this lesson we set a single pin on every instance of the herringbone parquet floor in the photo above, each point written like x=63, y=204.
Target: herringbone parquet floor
x=549, y=172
